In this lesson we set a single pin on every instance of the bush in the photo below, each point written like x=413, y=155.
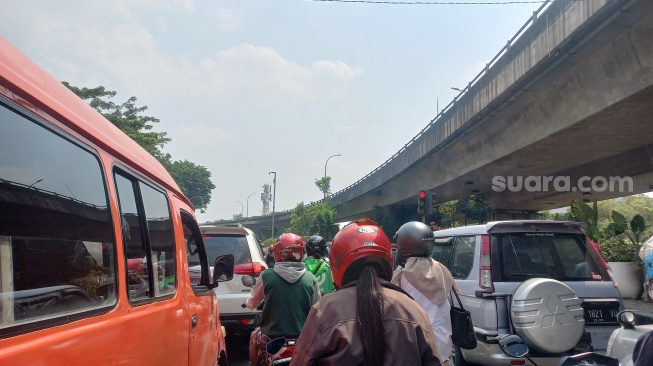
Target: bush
x=269, y=241
x=619, y=249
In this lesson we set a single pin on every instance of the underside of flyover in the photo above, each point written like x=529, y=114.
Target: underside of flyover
x=589, y=115
x=573, y=99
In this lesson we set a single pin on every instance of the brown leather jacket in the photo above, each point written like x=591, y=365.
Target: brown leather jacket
x=330, y=334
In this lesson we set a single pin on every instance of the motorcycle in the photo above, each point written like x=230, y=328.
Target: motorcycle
x=514, y=346
x=277, y=352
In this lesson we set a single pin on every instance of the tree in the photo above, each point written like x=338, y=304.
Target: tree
x=556, y=216
x=582, y=212
x=474, y=207
x=193, y=180
x=238, y=217
x=126, y=116
x=313, y=218
x=445, y=213
x=301, y=219
x=324, y=185
x=325, y=216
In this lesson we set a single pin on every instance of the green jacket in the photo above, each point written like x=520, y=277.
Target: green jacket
x=286, y=304
x=320, y=268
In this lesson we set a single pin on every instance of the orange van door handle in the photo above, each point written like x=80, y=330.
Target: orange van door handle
x=194, y=321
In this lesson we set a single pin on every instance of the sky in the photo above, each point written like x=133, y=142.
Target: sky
x=246, y=87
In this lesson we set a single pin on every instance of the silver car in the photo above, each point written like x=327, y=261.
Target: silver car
x=538, y=279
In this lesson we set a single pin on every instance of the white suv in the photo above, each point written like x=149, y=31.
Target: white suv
x=249, y=262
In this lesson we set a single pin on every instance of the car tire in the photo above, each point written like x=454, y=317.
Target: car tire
x=458, y=359
x=222, y=361
x=548, y=315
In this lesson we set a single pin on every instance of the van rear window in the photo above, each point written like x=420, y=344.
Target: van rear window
x=553, y=255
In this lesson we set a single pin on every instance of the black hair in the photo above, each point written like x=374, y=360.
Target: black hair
x=369, y=308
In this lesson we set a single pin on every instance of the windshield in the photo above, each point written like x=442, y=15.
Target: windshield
x=217, y=245
x=557, y=256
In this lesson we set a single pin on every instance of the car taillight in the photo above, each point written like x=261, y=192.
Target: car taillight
x=597, y=249
x=485, y=268
x=595, y=246
x=250, y=269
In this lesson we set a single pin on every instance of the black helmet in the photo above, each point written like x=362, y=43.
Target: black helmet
x=316, y=245
x=414, y=239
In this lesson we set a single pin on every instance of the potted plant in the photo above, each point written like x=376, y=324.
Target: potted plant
x=621, y=250
x=622, y=258
x=620, y=242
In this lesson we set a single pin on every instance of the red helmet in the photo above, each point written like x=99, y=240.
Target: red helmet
x=360, y=242
x=289, y=248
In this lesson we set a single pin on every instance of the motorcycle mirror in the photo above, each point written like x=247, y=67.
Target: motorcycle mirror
x=248, y=281
x=589, y=358
x=274, y=346
x=626, y=319
x=223, y=268
x=513, y=345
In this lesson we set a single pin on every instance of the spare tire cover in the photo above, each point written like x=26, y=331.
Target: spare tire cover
x=548, y=315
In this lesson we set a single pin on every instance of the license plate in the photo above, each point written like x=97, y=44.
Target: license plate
x=601, y=315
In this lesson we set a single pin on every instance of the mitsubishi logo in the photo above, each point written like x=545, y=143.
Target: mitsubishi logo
x=556, y=312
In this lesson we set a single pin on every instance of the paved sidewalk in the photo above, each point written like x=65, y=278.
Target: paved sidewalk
x=638, y=305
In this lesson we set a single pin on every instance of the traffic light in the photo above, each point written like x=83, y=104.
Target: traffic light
x=429, y=203
x=425, y=203
x=421, y=203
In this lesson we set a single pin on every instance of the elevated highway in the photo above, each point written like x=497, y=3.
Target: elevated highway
x=571, y=95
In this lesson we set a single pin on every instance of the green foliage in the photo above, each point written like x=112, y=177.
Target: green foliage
x=126, y=116
x=620, y=238
x=238, y=217
x=215, y=222
x=325, y=216
x=617, y=249
x=314, y=218
x=445, y=213
x=474, y=207
x=582, y=212
x=193, y=180
x=269, y=241
x=556, y=216
x=301, y=219
x=324, y=185
x=388, y=222
x=379, y=215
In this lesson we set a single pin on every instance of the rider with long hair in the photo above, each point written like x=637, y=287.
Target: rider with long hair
x=367, y=321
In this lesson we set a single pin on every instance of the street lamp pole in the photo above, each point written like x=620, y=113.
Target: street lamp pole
x=325, y=168
x=274, y=197
x=250, y=195
x=241, y=208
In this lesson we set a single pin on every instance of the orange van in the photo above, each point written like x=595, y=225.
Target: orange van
x=79, y=200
